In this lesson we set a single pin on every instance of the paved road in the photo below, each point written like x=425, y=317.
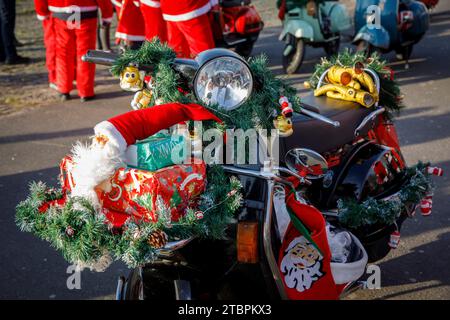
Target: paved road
x=33, y=142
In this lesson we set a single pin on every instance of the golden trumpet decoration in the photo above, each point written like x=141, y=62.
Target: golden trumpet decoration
x=349, y=84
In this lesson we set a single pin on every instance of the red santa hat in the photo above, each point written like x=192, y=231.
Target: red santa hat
x=97, y=162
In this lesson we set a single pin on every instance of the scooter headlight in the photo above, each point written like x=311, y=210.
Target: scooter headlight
x=225, y=81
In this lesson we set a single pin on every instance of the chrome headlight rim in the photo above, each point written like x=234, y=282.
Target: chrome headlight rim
x=212, y=55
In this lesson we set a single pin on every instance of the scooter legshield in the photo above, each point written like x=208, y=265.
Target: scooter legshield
x=298, y=28
x=376, y=36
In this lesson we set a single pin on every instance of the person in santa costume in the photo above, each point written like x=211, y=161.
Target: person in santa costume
x=188, y=25
x=155, y=26
x=131, y=26
x=43, y=14
x=75, y=23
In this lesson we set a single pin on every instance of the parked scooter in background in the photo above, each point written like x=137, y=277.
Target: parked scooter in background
x=396, y=25
x=236, y=24
x=430, y=4
x=315, y=23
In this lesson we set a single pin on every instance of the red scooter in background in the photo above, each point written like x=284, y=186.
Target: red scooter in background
x=430, y=4
x=236, y=24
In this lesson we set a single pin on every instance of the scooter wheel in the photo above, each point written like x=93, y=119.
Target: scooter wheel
x=293, y=60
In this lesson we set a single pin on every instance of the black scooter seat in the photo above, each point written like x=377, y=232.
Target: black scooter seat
x=319, y=136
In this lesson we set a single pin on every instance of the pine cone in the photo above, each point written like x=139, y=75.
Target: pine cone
x=157, y=239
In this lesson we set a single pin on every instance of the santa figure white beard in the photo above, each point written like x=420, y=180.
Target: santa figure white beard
x=93, y=164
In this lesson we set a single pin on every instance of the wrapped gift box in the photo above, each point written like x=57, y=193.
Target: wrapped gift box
x=156, y=152
x=135, y=192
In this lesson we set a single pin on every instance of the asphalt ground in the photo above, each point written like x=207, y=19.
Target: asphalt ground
x=33, y=141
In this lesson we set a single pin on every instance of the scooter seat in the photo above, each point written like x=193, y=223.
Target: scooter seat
x=319, y=136
x=234, y=3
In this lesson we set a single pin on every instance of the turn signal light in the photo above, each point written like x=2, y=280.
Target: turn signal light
x=247, y=242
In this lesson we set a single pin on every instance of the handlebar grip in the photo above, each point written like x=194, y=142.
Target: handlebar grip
x=107, y=59
x=100, y=57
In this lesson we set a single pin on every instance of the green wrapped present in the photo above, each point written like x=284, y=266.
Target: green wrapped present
x=158, y=151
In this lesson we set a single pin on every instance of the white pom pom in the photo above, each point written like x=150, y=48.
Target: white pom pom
x=92, y=165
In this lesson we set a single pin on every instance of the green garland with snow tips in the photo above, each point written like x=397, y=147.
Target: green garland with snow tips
x=84, y=236
x=417, y=185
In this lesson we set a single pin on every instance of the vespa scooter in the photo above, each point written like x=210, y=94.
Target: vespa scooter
x=390, y=25
x=314, y=23
x=349, y=158
x=236, y=24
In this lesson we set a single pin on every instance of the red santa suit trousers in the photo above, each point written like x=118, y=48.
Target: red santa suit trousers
x=71, y=45
x=43, y=14
x=188, y=26
x=155, y=26
x=50, y=48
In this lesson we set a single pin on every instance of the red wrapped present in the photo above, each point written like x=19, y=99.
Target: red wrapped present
x=135, y=192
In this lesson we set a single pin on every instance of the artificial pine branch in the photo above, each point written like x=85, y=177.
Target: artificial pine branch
x=371, y=211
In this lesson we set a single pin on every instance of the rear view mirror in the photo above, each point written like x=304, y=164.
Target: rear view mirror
x=306, y=163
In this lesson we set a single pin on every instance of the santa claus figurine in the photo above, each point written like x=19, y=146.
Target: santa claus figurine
x=75, y=25
x=188, y=25
x=96, y=163
x=155, y=26
x=131, y=26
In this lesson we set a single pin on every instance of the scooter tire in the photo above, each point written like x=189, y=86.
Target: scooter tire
x=293, y=61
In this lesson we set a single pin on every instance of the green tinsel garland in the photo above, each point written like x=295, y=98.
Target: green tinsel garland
x=257, y=112
x=85, y=237
x=417, y=184
x=390, y=95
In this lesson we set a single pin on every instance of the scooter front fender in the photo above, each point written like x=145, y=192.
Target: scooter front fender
x=377, y=37
x=297, y=28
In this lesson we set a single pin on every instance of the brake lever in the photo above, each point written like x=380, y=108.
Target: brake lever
x=320, y=117
x=303, y=180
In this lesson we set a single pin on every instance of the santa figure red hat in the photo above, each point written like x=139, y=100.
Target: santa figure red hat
x=95, y=163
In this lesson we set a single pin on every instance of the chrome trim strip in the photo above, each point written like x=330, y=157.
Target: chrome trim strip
x=267, y=241
x=182, y=290
x=119, y=289
x=320, y=117
x=368, y=118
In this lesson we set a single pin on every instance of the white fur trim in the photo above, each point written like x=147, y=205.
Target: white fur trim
x=92, y=165
x=150, y=3
x=117, y=3
x=130, y=37
x=72, y=9
x=115, y=137
x=189, y=15
x=41, y=18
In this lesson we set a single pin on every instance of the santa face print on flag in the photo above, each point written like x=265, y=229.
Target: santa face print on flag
x=301, y=264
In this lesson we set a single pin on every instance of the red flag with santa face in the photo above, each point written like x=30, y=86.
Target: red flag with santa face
x=305, y=256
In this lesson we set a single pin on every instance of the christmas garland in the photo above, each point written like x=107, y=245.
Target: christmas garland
x=417, y=185
x=390, y=95
x=86, y=238
x=257, y=112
